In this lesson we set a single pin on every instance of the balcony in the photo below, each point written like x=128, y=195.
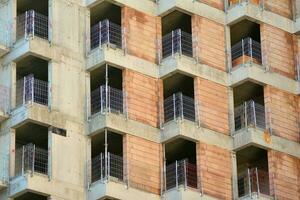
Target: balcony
x=4, y=102
x=254, y=184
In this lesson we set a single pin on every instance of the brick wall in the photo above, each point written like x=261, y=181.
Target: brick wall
x=280, y=7
x=142, y=33
x=213, y=102
x=142, y=98
x=144, y=163
x=284, y=175
x=282, y=108
x=214, y=165
x=278, y=50
x=210, y=37
x=219, y=4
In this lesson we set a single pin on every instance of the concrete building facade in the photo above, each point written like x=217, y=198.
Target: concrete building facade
x=144, y=99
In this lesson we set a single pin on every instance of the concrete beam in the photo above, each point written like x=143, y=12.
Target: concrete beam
x=100, y=190
x=257, y=137
x=3, y=116
x=257, y=14
x=258, y=74
x=3, y=50
x=297, y=26
x=185, y=194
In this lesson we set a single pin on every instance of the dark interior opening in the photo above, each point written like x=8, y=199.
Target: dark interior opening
x=105, y=10
x=31, y=196
x=178, y=83
x=40, y=6
x=244, y=29
x=248, y=91
x=176, y=20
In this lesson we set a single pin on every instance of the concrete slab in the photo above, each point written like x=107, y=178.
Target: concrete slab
x=37, y=183
x=257, y=73
x=3, y=50
x=257, y=137
x=3, y=185
x=3, y=116
x=257, y=14
x=189, y=66
x=117, y=57
x=255, y=196
x=185, y=194
x=297, y=26
x=190, y=130
x=116, y=190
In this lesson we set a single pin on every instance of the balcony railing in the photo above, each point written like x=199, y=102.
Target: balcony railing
x=106, y=32
x=107, y=167
x=245, y=51
x=181, y=173
x=31, y=159
x=108, y=99
x=177, y=42
x=29, y=89
x=253, y=183
x=179, y=106
x=31, y=24
x=249, y=114
x=4, y=99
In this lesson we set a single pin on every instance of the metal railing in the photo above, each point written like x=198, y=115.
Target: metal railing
x=253, y=182
x=31, y=24
x=179, y=106
x=4, y=168
x=29, y=89
x=31, y=159
x=177, y=42
x=247, y=50
x=181, y=173
x=108, y=167
x=107, y=99
x=4, y=99
x=106, y=32
x=249, y=114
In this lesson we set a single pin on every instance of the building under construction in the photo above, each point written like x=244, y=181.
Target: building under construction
x=149, y=100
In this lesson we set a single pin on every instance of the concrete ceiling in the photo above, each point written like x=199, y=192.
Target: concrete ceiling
x=244, y=29
x=247, y=91
x=105, y=10
x=40, y=6
x=176, y=20
x=178, y=83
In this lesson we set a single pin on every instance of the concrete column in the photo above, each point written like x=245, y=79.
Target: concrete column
x=12, y=152
x=88, y=95
x=50, y=152
x=13, y=84
x=231, y=110
x=228, y=48
x=50, y=19
x=53, y=73
x=88, y=161
x=234, y=176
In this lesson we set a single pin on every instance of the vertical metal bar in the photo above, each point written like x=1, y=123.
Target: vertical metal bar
x=243, y=52
x=249, y=182
x=108, y=32
x=251, y=53
x=106, y=88
x=106, y=155
x=100, y=33
x=246, y=115
x=257, y=182
x=254, y=113
x=101, y=99
x=32, y=89
x=164, y=169
x=185, y=174
x=179, y=36
x=33, y=159
x=33, y=23
x=172, y=43
x=174, y=106
x=108, y=165
x=23, y=159
x=181, y=106
x=101, y=166
x=24, y=90
x=176, y=174
x=25, y=26
x=109, y=93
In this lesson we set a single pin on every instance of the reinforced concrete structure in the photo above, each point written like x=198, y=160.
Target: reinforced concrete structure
x=144, y=99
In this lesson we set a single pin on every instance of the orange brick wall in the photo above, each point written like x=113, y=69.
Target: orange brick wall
x=142, y=33
x=219, y=4
x=214, y=165
x=144, y=163
x=210, y=37
x=282, y=108
x=278, y=50
x=280, y=7
x=213, y=101
x=284, y=175
x=142, y=98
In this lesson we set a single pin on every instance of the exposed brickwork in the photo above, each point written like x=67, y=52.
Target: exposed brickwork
x=214, y=165
x=144, y=162
x=142, y=97
x=213, y=101
x=284, y=175
x=277, y=50
x=280, y=7
x=219, y=4
x=142, y=33
x=210, y=38
x=282, y=107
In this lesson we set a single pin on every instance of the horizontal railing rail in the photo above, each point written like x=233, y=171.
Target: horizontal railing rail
x=107, y=167
x=106, y=32
x=106, y=99
x=245, y=51
x=31, y=159
x=249, y=114
x=253, y=182
x=4, y=99
x=179, y=106
x=177, y=42
x=181, y=173
x=31, y=24
x=29, y=89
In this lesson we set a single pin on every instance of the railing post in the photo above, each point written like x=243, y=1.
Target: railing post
x=179, y=36
x=101, y=166
x=24, y=90
x=176, y=174
x=108, y=165
x=25, y=26
x=108, y=95
x=165, y=175
x=33, y=160
x=32, y=89
x=257, y=182
x=243, y=52
x=23, y=159
x=246, y=114
x=33, y=23
x=254, y=113
x=181, y=107
x=185, y=174
x=172, y=43
x=100, y=34
x=250, y=48
x=108, y=32
x=249, y=183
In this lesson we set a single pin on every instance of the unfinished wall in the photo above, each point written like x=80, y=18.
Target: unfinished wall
x=280, y=7
x=284, y=175
x=277, y=50
x=142, y=97
x=144, y=163
x=282, y=108
x=213, y=103
x=210, y=42
x=219, y=4
x=142, y=32
x=214, y=167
